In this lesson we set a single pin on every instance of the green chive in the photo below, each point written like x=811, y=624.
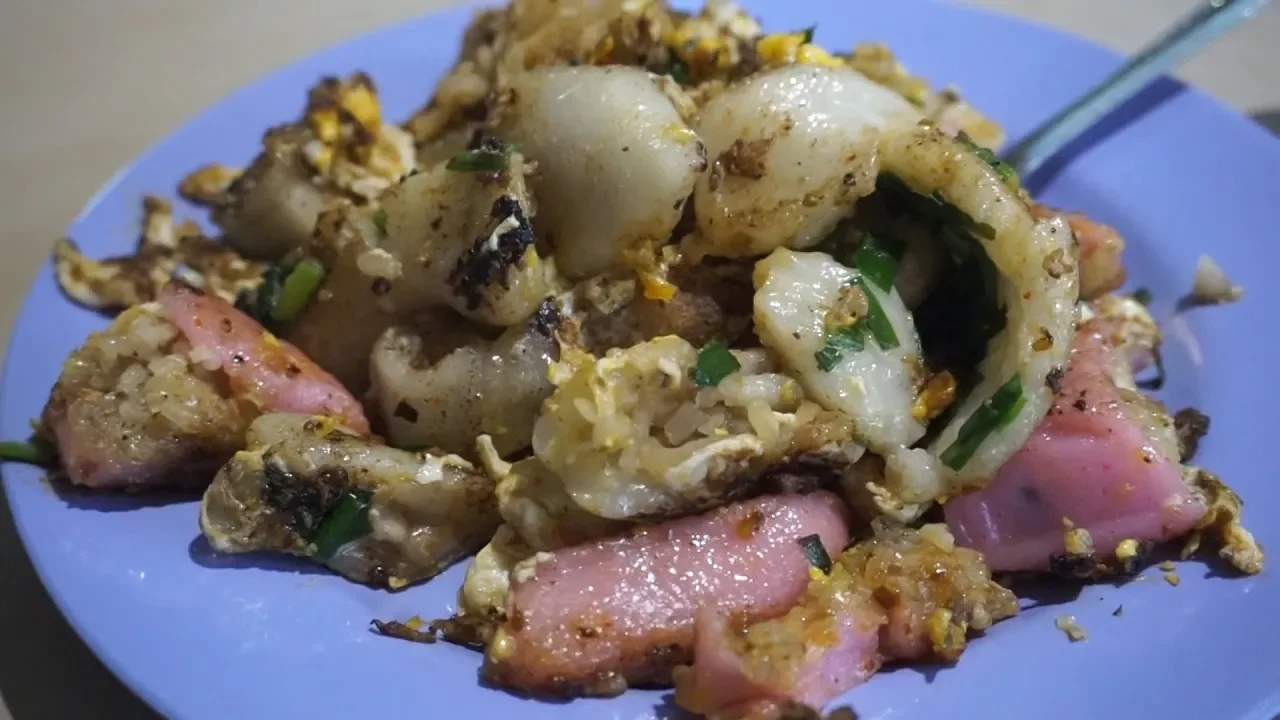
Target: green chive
x=380, y=221
x=806, y=35
x=815, y=553
x=849, y=339
x=479, y=161
x=296, y=291
x=878, y=322
x=34, y=452
x=877, y=260
x=1000, y=410
x=1142, y=296
x=678, y=70
x=854, y=338
x=259, y=306
x=715, y=363
x=1007, y=174
x=827, y=357
x=347, y=522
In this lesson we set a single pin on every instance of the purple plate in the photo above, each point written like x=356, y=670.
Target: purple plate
x=201, y=636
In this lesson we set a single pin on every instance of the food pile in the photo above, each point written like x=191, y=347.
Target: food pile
x=739, y=365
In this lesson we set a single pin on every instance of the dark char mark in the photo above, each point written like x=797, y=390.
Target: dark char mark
x=481, y=266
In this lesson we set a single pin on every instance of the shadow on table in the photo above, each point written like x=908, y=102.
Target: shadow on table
x=46, y=671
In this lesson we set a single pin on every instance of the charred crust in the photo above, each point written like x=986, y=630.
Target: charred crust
x=335, y=479
x=486, y=263
x=1053, y=380
x=1074, y=566
x=378, y=576
x=699, y=162
x=548, y=318
x=481, y=140
x=1190, y=425
x=304, y=504
x=1134, y=564
x=466, y=631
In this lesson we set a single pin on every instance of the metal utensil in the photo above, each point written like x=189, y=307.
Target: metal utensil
x=1193, y=32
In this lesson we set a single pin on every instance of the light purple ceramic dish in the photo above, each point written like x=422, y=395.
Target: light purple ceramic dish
x=200, y=636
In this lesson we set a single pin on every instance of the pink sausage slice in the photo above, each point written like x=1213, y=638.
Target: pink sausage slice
x=843, y=653
x=1090, y=461
x=603, y=615
x=277, y=376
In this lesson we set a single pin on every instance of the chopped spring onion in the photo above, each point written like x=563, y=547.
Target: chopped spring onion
x=678, y=70
x=33, y=452
x=299, y=286
x=1007, y=174
x=348, y=521
x=997, y=412
x=815, y=553
x=806, y=35
x=715, y=363
x=1142, y=296
x=258, y=303
x=934, y=207
x=481, y=160
x=854, y=337
x=380, y=221
x=878, y=323
x=964, y=312
x=877, y=259
x=850, y=339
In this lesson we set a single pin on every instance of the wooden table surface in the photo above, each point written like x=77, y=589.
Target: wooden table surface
x=88, y=84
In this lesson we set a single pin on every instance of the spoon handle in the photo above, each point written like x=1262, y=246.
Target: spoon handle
x=1189, y=35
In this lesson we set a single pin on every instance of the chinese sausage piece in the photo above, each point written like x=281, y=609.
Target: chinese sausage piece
x=163, y=396
x=374, y=514
x=599, y=617
x=1105, y=458
x=903, y=595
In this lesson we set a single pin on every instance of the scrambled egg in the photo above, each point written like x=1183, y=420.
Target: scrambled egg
x=164, y=251
x=340, y=139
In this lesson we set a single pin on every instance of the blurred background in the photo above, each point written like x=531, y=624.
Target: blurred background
x=85, y=85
